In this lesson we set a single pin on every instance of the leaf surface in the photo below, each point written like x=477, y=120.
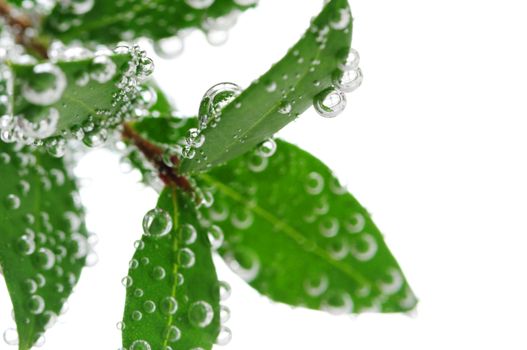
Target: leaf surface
x=43, y=240
x=296, y=235
x=172, y=297
x=109, y=22
x=71, y=96
x=282, y=94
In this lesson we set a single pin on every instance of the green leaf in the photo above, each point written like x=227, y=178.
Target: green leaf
x=43, y=242
x=296, y=235
x=72, y=97
x=172, y=297
x=109, y=22
x=282, y=94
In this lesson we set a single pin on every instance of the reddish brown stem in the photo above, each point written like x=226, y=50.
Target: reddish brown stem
x=154, y=154
x=20, y=24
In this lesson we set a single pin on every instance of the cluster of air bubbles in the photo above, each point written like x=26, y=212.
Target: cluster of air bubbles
x=199, y=313
x=211, y=106
x=48, y=82
x=42, y=7
x=51, y=243
x=157, y=223
x=347, y=78
x=217, y=28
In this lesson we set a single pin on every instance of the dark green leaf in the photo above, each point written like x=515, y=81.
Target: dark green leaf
x=282, y=94
x=296, y=235
x=43, y=238
x=109, y=22
x=172, y=297
x=72, y=96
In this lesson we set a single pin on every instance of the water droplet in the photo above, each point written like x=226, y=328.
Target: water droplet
x=172, y=334
x=285, y=108
x=158, y=273
x=102, y=69
x=245, y=263
x=225, y=290
x=199, y=4
x=225, y=313
x=329, y=227
x=11, y=336
x=348, y=81
x=36, y=304
x=157, y=223
x=51, y=85
x=26, y=245
x=314, y=184
x=224, y=337
x=149, y=306
x=216, y=237
x=316, y=286
x=200, y=314
x=12, y=201
x=169, y=305
x=169, y=47
x=393, y=283
x=364, y=247
x=140, y=345
x=45, y=258
x=267, y=148
x=355, y=223
x=137, y=315
x=213, y=102
x=349, y=60
x=127, y=281
x=78, y=7
x=330, y=103
x=189, y=234
x=186, y=258
x=338, y=303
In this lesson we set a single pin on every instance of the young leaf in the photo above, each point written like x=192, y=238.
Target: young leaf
x=75, y=97
x=296, y=235
x=43, y=240
x=282, y=94
x=172, y=296
x=109, y=22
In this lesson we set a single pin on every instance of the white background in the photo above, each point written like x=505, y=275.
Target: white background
x=434, y=144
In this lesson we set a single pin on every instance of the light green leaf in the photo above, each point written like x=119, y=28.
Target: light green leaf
x=43, y=242
x=73, y=98
x=282, y=94
x=296, y=235
x=172, y=297
x=109, y=22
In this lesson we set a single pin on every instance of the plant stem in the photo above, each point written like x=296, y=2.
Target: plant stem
x=20, y=24
x=154, y=154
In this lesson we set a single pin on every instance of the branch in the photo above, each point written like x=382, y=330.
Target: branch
x=20, y=24
x=155, y=155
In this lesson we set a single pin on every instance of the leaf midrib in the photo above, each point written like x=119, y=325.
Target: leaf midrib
x=272, y=108
x=285, y=228
x=175, y=266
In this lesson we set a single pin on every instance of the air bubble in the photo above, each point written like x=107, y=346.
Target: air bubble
x=330, y=103
x=140, y=345
x=169, y=47
x=200, y=314
x=224, y=337
x=189, y=234
x=172, y=334
x=157, y=223
x=186, y=258
x=216, y=237
x=169, y=305
x=52, y=92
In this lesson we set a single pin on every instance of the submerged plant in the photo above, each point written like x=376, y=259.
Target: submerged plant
x=277, y=215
